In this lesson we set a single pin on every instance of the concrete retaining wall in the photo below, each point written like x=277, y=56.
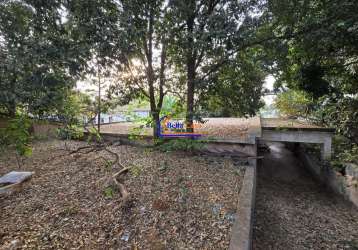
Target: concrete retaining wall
x=45, y=129
x=143, y=141
x=241, y=232
x=38, y=128
x=347, y=185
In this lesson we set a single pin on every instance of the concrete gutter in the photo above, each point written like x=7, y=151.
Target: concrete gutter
x=241, y=233
x=342, y=185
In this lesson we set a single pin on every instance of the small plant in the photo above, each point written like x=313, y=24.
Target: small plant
x=69, y=210
x=40, y=137
x=70, y=132
x=108, y=164
x=93, y=134
x=142, y=123
x=109, y=192
x=163, y=166
x=181, y=145
x=16, y=135
x=344, y=152
x=135, y=171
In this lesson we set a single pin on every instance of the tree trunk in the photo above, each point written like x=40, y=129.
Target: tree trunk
x=156, y=127
x=99, y=105
x=190, y=96
x=148, y=47
x=190, y=65
x=12, y=109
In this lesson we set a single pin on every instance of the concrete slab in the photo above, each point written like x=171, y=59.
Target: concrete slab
x=291, y=124
x=15, y=177
x=13, y=180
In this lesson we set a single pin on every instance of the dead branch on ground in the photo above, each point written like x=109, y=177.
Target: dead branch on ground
x=116, y=162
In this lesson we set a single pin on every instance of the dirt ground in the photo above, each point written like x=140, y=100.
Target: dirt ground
x=294, y=212
x=178, y=201
x=219, y=128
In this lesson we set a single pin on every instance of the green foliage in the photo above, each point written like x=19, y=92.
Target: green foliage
x=311, y=80
x=135, y=170
x=184, y=144
x=70, y=113
x=172, y=106
x=294, y=103
x=318, y=54
x=39, y=60
x=340, y=113
x=93, y=134
x=142, y=124
x=109, y=192
x=17, y=135
x=108, y=164
x=214, y=35
x=349, y=155
x=343, y=152
x=70, y=132
x=73, y=108
x=310, y=55
x=238, y=89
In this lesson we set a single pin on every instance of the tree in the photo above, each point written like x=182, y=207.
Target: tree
x=319, y=56
x=208, y=35
x=143, y=72
x=319, y=53
x=39, y=60
x=294, y=103
x=238, y=89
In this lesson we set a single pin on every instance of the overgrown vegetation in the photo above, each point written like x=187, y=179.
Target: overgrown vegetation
x=17, y=136
x=344, y=152
x=294, y=103
x=212, y=56
x=318, y=63
x=184, y=144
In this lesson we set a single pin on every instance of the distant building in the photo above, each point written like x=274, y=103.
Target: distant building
x=123, y=116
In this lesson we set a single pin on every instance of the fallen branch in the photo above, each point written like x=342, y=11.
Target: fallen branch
x=122, y=189
x=121, y=171
x=116, y=161
x=92, y=147
x=103, y=147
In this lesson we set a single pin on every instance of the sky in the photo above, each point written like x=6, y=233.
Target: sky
x=269, y=82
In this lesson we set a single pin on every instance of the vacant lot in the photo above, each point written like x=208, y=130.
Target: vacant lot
x=177, y=201
x=212, y=128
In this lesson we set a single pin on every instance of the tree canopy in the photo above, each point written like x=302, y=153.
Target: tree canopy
x=212, y=55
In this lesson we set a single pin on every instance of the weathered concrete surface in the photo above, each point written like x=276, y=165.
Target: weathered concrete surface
x=323, y=138
x=295, y=212
x=15, y=177
x=13, y=180
x=234, y=149
x=343, y=185
x=241, y=232
x=291, y=124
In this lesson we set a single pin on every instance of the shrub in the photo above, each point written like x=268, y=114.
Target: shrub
x=344, y=152
x=294, y=103
x=184, y=144
x=70, y=132
x=17, y=135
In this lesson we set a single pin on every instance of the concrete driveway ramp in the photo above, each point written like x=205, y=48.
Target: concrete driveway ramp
x=13, y=179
